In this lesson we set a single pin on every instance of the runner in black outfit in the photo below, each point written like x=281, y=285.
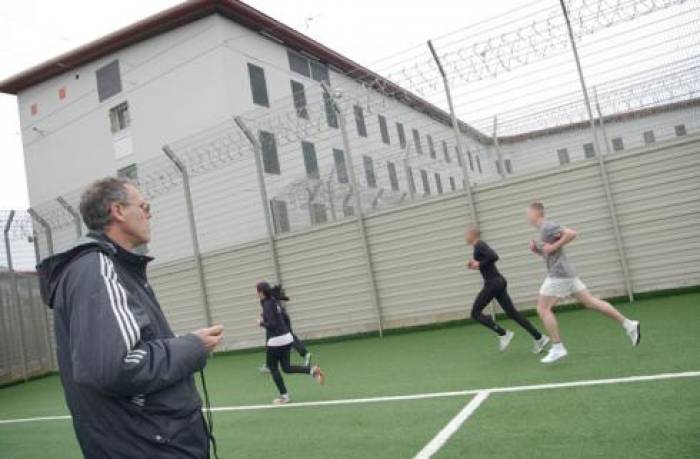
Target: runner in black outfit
x=279, y=343
x=279, y=293
x=495, y=286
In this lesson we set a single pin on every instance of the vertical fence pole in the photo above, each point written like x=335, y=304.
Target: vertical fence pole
x=358, y=210
x=46, y=227
x=15, y=294
x=193, y=230
x=499, y=157
x=49, y=247
x=457, y=134
x=257, y=152
x=601, y=160
x=73, y=213
x=601, y=121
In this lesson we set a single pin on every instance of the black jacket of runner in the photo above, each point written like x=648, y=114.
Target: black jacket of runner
x=128, y=380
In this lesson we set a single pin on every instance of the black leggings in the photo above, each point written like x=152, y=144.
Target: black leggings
x=279, y=356
x=498, y=288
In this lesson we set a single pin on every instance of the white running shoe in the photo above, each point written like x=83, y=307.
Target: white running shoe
x=504, y=341
x=263, y=368
x=282, y=400
x=540, y=344
x=634, y=331
x=555, y=353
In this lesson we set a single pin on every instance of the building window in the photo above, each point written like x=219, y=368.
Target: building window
x=402, y=135
x=453, y=184
x=331, y=115
x=299, y=96
x=340, y=166
x=307, y=67
x=426, y=182
x=280, y=218
x=348, y=211
x=416, y=141
x=649, y=137
x=446, y=152
x=319, y=72
x=471, y=160
x=298, y=64
x=431, y=146
x=680, y=130
x=119, y=118
x=588, y=150
x=257, y=85
x=478, y=163
x=360, y=121
x=411, y=181
x=618, y=144
x=109, y=81
x=318, y=213
x=498, y=167
x=509, y=166
x=271, y=163
x=369, y=172
x=563, y=155
x=383, y=129
x=438, y=183
x=393, y=177
x=310, y=160
x=129, y=172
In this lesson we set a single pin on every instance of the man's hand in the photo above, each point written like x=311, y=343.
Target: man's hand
x=211, y=336
x=473, y=264
x=533, y=248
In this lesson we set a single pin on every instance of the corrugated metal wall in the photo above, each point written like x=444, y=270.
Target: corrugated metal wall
x=418, y=251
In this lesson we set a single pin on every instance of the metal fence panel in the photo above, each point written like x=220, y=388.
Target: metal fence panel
x=658, y=201
x=419, y=256
x=323, y=271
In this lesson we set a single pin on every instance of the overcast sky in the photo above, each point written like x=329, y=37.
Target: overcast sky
x=32, y=31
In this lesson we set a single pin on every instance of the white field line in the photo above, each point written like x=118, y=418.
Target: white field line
x=453, y=426
x=398, y=398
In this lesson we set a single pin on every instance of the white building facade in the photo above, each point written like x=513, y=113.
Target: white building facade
x=110, y=107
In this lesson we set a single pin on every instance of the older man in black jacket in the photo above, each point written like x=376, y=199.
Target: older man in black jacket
x=128, y=380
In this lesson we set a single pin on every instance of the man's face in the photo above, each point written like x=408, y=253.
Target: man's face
x=533, y=216
x=133, y=217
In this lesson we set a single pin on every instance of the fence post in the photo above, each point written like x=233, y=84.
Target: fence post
x=601, y=122
x=499, y=157
x=46, y=227
x=15, y=294
x=358, y=210
x=257, y=152
x=49, y=246
x=601, y=161
x=73, y=213
x=193, y=230
x=457, y=134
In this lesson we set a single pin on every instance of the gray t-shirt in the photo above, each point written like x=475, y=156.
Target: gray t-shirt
x=558, y=265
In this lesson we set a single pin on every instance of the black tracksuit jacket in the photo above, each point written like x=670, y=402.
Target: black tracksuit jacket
x=128, y=380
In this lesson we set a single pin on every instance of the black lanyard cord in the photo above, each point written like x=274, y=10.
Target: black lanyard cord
x=209, y=419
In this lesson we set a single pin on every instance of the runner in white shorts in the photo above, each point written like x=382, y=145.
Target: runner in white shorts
x=562, y=281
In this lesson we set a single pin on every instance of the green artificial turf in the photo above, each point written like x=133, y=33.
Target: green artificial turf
x=449, y=359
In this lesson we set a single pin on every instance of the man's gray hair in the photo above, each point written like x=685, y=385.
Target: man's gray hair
x=97, y=199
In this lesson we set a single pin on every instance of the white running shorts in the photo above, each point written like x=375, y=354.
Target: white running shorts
x=561, y=287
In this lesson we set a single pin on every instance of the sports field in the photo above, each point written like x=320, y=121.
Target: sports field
x=446, y=391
